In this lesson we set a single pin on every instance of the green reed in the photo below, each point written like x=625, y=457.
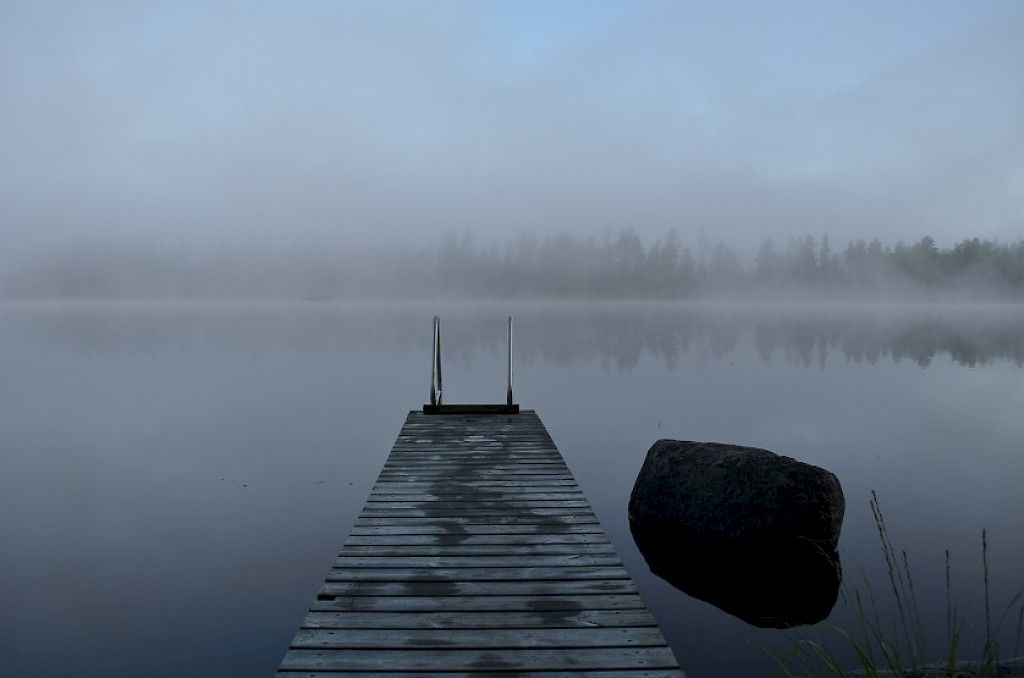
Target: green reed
x=898, y=648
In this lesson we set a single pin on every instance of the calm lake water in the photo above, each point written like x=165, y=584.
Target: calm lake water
x=175, y=479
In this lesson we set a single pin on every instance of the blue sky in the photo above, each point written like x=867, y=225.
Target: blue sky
x=219, y=125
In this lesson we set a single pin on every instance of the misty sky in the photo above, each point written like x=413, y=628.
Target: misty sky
x=186, y=125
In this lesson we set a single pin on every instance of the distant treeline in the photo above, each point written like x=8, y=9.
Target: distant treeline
x=618, y=265
x=621, y=265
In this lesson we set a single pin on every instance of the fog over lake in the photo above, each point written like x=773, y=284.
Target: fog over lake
x=225, y=228
x=236, y=132
x=177, y=477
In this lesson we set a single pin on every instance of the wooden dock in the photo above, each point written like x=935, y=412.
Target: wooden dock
x=476, y=553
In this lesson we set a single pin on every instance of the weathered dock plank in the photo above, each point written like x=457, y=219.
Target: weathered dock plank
x=507, y=573
x=473, y=539
x=477, y=552
x=483, y=660
x=448, y=621
x=494, y=639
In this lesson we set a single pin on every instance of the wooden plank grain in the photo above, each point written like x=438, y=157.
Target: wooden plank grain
x=480, y=659
x=479, y=513
x=447, y=619
x=451, y=603
x=573, y=560
x=430, y=585
x=464, y=495
x=377, y=505
x=390, y=550
x=626, y=636
x=503, y=485
x=637, y=673
x=477, y=529
x=476, y=573
x=459, y=539
x=456, y=524
x=477, y=552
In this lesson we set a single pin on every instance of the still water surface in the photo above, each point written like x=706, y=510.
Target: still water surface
x=175, y=479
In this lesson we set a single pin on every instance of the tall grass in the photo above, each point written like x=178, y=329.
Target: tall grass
x=898, y=645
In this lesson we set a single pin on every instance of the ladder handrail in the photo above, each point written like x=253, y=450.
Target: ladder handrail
x=435, y=368
x=509, y=399
x=436, y=398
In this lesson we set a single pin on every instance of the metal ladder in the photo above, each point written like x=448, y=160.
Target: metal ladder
x=436, y=404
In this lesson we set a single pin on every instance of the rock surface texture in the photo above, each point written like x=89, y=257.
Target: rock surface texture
x=742, y=495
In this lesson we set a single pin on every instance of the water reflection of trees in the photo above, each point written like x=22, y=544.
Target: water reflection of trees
x=801, y=337
x=615, y=336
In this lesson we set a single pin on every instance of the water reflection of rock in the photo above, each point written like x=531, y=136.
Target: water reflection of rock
x=776, y=586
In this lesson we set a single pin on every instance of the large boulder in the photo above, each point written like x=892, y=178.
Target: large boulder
x=744, y=529
x=742, y=495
